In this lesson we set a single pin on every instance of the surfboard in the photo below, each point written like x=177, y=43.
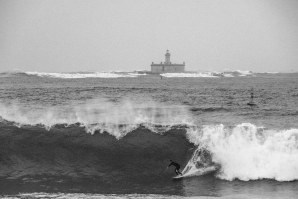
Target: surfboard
x=196, y=172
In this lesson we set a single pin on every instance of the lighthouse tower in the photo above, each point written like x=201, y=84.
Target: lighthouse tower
x=168, y=58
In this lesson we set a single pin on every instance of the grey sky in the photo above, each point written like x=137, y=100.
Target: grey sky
x=126, y=35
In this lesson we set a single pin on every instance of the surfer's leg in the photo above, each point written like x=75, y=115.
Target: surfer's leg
x=178, y=172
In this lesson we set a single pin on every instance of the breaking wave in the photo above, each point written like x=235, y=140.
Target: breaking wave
x=236, y=73
x=248, y=152
x=242, y=72
x=74, y=75
x=54, y=141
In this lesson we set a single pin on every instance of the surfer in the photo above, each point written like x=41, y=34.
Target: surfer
x=177, y=167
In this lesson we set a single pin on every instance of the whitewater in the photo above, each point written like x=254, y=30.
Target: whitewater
x=114, y=133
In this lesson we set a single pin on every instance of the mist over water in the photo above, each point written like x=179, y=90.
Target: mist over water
x=116, y=135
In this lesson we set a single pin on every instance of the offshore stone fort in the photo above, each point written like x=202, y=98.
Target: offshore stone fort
x=167, y=66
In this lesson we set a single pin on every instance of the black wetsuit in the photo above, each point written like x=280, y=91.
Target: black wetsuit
x=177, y=167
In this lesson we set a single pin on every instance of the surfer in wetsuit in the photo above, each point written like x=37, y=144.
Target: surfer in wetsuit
x=177, y=167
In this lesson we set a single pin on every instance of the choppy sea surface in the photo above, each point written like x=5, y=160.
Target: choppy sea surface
x=111, y=135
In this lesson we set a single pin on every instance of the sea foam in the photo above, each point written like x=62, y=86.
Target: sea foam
x=248, y=152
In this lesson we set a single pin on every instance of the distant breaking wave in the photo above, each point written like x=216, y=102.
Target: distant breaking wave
x=188, y=75
x=119, y=74
x=85, y=75
x=236, y=73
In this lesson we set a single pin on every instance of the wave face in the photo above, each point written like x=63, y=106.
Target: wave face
x=101, y=141
x=31, y=153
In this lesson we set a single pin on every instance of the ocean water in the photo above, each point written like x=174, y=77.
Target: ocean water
x=111, y=135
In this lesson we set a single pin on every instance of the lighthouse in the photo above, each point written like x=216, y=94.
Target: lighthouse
x=167, y=66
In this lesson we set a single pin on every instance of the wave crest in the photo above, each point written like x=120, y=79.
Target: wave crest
x=101, y=115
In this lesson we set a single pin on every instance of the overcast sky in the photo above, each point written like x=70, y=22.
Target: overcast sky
x=127, y=35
